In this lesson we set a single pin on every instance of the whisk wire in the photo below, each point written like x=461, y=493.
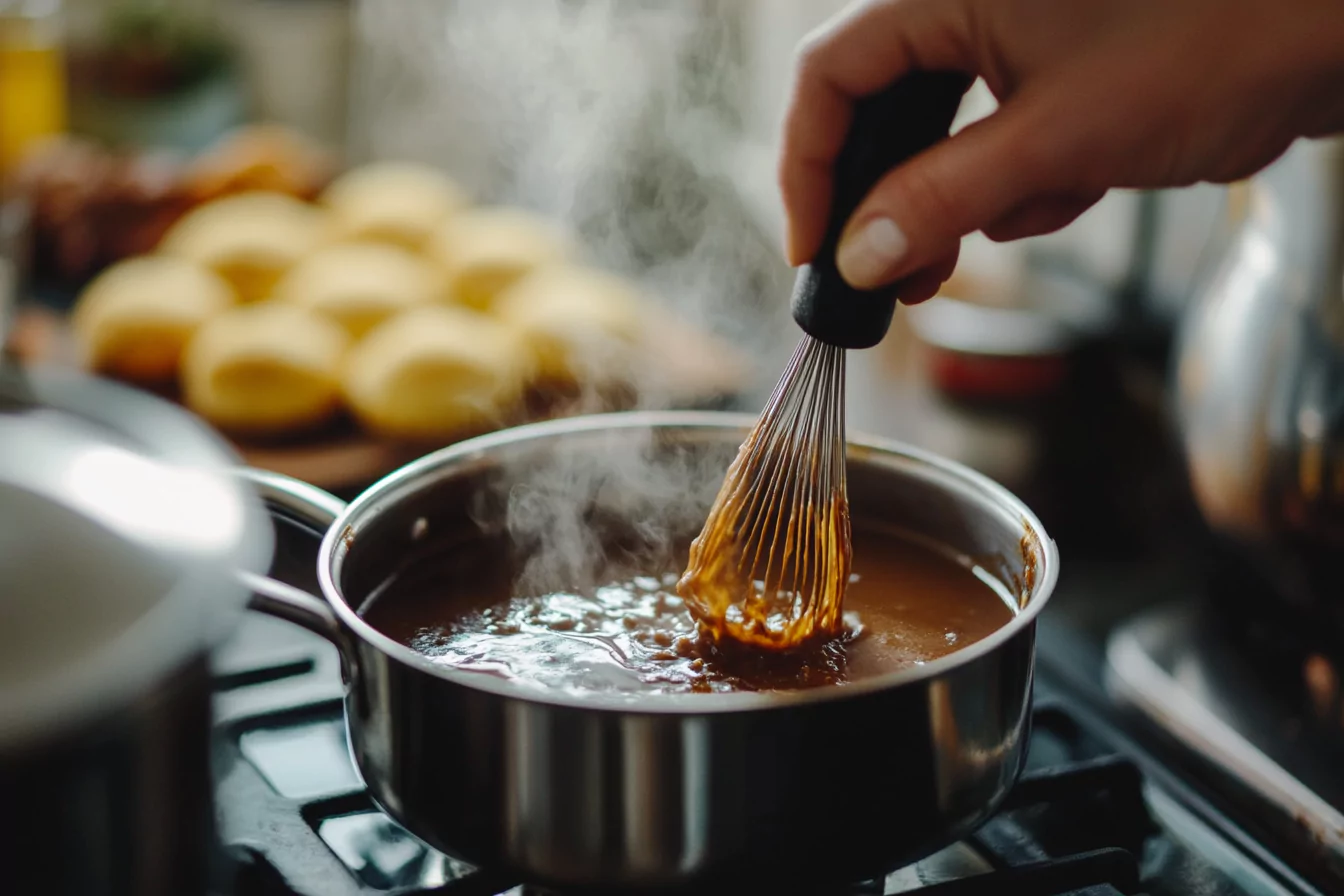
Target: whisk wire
x=772, y=563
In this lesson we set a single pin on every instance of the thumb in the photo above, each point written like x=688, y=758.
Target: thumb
x=917, y=212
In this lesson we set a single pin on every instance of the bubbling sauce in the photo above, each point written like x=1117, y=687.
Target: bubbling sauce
x=906, y=604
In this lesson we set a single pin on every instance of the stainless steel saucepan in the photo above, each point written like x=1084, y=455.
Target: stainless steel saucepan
x=609, y=791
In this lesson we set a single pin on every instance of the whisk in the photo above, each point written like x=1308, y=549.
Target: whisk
x=771, y=565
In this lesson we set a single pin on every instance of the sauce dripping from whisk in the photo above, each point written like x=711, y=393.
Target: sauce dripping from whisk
x=770, y=567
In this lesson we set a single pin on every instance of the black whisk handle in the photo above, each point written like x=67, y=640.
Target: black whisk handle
x=888, y=128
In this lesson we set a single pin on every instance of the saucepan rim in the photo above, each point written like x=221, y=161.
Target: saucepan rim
x=393, y=488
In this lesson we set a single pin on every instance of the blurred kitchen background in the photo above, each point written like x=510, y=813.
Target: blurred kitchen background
x=650, y=127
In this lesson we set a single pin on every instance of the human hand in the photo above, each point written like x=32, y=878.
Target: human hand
x=1093, y=95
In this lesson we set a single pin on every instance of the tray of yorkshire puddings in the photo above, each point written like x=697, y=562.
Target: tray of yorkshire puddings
x=335, y=336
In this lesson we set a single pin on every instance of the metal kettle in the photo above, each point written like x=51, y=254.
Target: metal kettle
x=1260, y=365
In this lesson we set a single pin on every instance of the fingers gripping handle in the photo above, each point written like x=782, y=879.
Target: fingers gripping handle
x=888, y=128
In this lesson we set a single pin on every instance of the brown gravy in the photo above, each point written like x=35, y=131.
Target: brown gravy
x=906, y=605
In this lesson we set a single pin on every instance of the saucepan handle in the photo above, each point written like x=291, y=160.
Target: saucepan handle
x=275, y=598
x=285, y=496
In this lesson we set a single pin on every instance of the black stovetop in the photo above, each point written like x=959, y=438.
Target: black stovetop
x=1093, y=814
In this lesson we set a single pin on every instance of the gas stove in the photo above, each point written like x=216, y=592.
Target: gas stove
x=1094, y=813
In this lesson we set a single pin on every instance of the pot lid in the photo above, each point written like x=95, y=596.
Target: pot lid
x=121, y=527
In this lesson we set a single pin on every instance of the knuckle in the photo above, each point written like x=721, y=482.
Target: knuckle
x=929, y=200
x=1036, y=153
x=1050, y=158
x=1092, y=164
x=1035, y=158
x=809, y=57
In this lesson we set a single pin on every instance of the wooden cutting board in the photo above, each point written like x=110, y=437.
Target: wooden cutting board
x=690, y=367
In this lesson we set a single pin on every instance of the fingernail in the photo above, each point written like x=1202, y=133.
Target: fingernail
x=866, y=256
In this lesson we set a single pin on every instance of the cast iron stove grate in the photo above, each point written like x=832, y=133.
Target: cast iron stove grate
x=293, y=813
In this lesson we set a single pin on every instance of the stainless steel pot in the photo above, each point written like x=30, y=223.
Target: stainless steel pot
x=121, y=529
x=596, y=790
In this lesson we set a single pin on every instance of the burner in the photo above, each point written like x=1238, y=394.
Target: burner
x=1182, y=673
x=1280, y=609
x=1084, y=819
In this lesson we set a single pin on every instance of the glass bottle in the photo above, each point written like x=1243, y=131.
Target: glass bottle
x=32, y=76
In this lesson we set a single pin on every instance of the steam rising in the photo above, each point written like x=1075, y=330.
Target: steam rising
x=616, y=118
x=656, y=492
